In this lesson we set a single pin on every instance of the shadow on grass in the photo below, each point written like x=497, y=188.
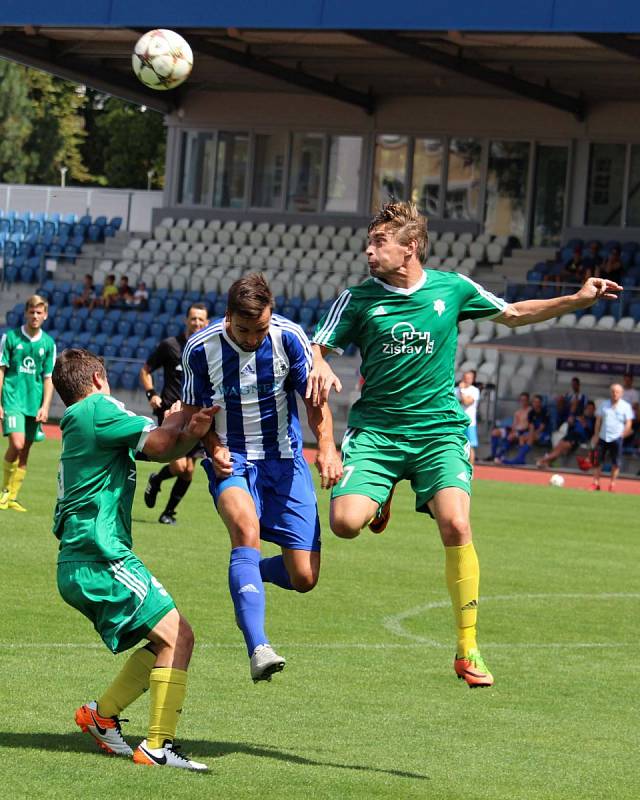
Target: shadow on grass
x=74, y=743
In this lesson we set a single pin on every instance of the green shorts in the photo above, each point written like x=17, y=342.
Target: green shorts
x=17, y=422
x=121, y=598
x=374, y=462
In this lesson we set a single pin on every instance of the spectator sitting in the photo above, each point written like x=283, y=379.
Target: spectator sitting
x=580, y=428
x=109, y=293
x=592, y=260
x=612, y=268
x=140, y=299
x=87, y=296
x=124, y=296
x=574, y=269
x=575, y=396
x=503, y=438
x=538, y=433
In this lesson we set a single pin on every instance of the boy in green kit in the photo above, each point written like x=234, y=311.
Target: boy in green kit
x=97, y=571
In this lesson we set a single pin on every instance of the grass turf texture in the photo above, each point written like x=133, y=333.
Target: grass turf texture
x=368, y=705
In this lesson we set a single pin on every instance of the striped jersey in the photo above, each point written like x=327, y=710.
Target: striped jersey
x=407, y=339
x=258, y=415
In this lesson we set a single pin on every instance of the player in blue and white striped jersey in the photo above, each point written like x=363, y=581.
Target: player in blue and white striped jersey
x=251, y=364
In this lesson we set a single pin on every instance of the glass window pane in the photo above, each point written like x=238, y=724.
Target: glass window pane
x=390, y=168
x=197, y=177
x=305, y=176
x=231, y=169
x=606, y=176
x=549, y=199
x=504, y=213
x=427, y=175
x=268, y=169
x=463, y=179
x=343, y=177
x=633, y=200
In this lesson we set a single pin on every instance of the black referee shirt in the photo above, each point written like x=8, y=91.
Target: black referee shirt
x=168, y=357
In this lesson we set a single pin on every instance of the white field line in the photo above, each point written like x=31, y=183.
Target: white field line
x=393, y=624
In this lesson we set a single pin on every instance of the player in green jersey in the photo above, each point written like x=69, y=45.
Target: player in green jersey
x=407, y=423
x=97, y=571
x=27, y=355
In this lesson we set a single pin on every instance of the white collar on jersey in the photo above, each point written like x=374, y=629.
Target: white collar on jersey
x=35, y=338
x=400, y=290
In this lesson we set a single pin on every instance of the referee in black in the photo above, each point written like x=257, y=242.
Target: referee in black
x=168, y=357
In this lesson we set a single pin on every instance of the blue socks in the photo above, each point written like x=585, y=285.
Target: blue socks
x=247, y=593
x=520, y=457
x=274, y=571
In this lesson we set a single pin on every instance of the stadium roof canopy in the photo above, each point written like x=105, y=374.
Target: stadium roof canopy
x=564, y=53
x=581, y=344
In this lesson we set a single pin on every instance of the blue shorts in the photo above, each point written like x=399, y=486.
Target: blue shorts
x=284, y=497
x=472, y=435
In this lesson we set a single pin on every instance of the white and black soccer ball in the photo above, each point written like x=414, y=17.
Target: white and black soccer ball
x=557, y=480
x=162, y=59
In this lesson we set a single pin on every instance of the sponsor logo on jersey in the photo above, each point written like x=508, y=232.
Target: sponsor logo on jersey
x=243, y=391
x=439, y=307
x=19, y=347
x=28, y=366
x=406, y=339
x=248, y=369
x=379, y=311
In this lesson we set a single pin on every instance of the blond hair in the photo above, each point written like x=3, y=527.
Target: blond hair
x=406, y=223
x=36, y=300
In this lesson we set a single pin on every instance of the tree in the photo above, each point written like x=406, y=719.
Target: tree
x=134, y=143
x=15, y=124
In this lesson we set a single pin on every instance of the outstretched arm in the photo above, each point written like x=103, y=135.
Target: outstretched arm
x=321, y=378
x=328, y=461
x=179, y=432
x=528, y=311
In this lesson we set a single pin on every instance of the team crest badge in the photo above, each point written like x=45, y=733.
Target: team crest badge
x=438, y=307
x=280, y=368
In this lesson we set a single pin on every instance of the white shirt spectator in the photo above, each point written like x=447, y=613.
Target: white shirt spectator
x=472, y=409
x=614, y=418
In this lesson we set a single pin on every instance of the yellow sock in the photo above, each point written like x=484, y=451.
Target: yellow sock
x=168, y=687
x=8, y=468
x=129, y=683
x=463, y=581
x=16, y=482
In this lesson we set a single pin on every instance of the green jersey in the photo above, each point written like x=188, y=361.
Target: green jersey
x=27, y=363
x=97, y=479
x=407, y=339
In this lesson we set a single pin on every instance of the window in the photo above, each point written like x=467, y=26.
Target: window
x=199, y=163
x=507, y=189
x=633, y=198
x=463, y=179
x=427, y=175
x=231, y=170
x=606, y=176
x=305, y=177
x=343, y=177
x=268, y=169
x=390, y=169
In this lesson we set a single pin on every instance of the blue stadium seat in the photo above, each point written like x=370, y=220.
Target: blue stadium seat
x=174, y=328
x=129, y=380
x=634, y=310
x=100, y=221
x=85, y=220
x=95, y=233
x=108, y=325
x=114, y=314
x=156, y=304
x=142, y=353
x=157, y=330
x=125, y=327
x=171, y=305
x=110, y=351
x=141, y=328
x=76, y=324
x=115, y=222
x=27, y=274
x=126, y=351
x=290, y=312
x=92, y=325
x=62, y=323
x=13, y=319
x=306, y=316
x=220, y=308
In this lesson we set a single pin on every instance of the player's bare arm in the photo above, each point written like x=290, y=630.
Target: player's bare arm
x=179, y=432
x=47, y=395
x=220, y=455
x=2, y=371
x=529, y=311
x=328, y=461
x=321, y=378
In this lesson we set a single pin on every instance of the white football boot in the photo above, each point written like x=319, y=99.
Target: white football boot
x=264, y=662
x=166, y=756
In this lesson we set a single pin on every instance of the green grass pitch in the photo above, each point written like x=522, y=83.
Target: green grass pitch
x=368, y=705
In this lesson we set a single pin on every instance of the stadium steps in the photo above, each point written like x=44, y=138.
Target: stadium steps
x=515, y=267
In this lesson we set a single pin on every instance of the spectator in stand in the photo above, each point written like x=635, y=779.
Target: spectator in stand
x=580, y=429
x=630, y=394
x=503, y=437
x=574, y=271
x=575, y=396
x=468, y=394
x=140, y=299
x=592, y=260
x=87, y=296
x=109, y=293
x=125, y=294
x=614, y=420
x=612, y=268
x=538, y=431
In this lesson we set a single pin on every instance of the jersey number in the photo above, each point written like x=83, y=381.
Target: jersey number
x=348, y=472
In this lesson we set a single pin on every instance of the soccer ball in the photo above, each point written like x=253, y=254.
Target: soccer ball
x=556, y=480
x=162, y=59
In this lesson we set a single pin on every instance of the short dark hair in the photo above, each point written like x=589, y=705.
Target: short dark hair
x=198, y=307
x=73, y=374
x=249, y=296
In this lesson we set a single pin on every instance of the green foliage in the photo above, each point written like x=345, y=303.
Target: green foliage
x=133, y=143
x=368, y=707
x=47, y=123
